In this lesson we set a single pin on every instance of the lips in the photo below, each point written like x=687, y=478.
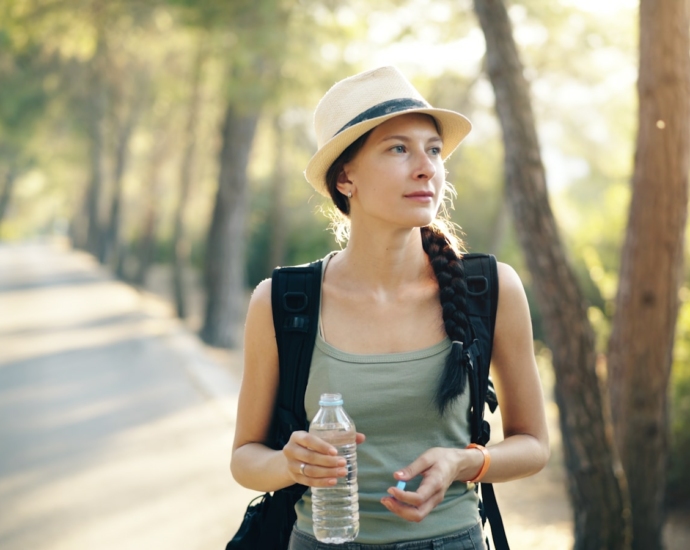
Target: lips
x=420, y=194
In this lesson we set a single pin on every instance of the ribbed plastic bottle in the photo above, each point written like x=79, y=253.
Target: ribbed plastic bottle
x=335, y=510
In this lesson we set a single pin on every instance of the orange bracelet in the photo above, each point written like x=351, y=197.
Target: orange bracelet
x=485, y=465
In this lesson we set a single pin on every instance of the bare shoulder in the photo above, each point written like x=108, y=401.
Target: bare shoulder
x=511, y=292
x=261, y=297
x=508, y=279
x=513, y=309
x=259, y=327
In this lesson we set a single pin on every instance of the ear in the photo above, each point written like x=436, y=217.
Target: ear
x=344, y=183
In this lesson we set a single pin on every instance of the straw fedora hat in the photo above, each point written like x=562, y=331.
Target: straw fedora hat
x=361, y=102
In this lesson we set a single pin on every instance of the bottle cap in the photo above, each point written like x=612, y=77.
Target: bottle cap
x=330, y=399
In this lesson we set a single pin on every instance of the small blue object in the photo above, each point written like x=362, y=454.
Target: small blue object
x=401, y=485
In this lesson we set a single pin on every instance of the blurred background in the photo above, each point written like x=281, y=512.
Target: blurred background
x=151, y=155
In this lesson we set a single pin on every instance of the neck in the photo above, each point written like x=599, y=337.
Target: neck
x=385, y=260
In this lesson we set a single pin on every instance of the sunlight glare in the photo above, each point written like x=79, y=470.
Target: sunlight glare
x=461, y=56
x=599, y=7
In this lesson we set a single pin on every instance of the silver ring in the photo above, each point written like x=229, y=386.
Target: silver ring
x=301, y=469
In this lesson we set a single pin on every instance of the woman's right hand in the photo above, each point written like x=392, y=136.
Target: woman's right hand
x=322, y=465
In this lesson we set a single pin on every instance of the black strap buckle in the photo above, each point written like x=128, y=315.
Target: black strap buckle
x=295, y=302
x=477, y=285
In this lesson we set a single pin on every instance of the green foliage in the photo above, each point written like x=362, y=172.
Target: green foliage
x=678, y=487
x=283, y=146
x=25, y=75
x=307, y=239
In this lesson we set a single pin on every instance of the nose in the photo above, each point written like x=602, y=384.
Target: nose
x=425, y=169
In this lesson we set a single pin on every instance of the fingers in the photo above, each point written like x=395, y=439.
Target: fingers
x=312, y=442
x=401, y=504
x=417, y=467
x=429, y=488
x=435, y=465
x=360, y=438
x=313, y=462
x=426, y=489
x=315, y=476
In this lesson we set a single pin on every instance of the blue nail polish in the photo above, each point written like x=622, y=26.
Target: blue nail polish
x=401, y=485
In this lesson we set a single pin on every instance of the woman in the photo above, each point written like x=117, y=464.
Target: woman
x=392, y=302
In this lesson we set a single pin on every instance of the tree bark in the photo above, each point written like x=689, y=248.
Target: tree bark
x=225, y=251
x=180, y=245
x=641, y=344
x=111, y=241
x=147, y=243
x=596, y=484
x=96, y=133
x=151, y=199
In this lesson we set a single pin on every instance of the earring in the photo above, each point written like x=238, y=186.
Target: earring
x=349, y=194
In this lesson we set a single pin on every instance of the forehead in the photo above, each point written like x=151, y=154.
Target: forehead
x=411, y=122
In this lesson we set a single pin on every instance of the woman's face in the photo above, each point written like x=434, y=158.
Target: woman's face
x=398, y=175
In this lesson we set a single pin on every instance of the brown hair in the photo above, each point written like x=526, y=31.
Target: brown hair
x=442, y=246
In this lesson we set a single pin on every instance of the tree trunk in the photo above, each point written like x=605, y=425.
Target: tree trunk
x=151, y=199
x=596, y=484
x=111, y=242
x=180, y=245
x=6, y=192
x=96, y=132
x=225, y=252
x=147, y=243
x=278, y=211
x=641, y=345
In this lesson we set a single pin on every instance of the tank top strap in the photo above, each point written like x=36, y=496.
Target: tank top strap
x=324, y=265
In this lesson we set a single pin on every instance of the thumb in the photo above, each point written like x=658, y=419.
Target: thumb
x=412, y=470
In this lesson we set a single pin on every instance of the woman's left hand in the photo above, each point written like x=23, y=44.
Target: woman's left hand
x=439, y=467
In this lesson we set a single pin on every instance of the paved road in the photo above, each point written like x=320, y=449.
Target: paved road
x=115, y=430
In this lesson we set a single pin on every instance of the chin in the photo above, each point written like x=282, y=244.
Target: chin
x=409, y=218
x=418, y=221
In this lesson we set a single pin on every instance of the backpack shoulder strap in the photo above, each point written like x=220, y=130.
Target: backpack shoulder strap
x=481, y=274
x=295, y=297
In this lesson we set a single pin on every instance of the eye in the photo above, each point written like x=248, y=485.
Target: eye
x=436, y=151
x=398, y=148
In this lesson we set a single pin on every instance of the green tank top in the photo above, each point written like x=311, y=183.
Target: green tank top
x=390, y=397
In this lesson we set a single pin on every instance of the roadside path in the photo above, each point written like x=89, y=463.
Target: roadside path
x=110, y=436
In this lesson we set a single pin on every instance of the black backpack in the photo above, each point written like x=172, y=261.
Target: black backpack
x=295, y=299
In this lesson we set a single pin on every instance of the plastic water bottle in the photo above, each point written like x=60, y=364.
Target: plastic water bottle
x=335, y=510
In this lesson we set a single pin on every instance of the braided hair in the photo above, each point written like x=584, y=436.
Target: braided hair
x=450, y=274
x=452, y=285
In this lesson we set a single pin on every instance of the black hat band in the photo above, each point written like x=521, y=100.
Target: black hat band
x=385, y=108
